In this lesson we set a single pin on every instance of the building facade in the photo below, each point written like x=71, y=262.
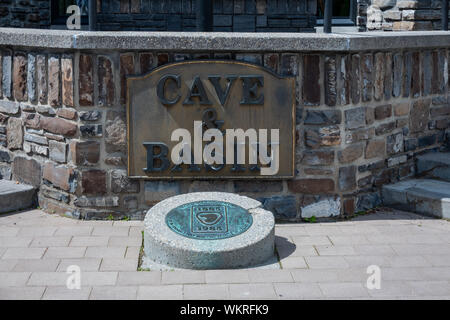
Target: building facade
x=229, y=15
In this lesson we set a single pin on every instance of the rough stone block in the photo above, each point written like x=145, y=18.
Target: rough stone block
x=156, y=191
x=67, y=80
x=283, y=207
x=20, y=77
x=14, y=131
x=323, y=207
x=85, y=152
x=106, y=88
x=311, y=186
x=54, y=85
x=27, y=171
x=93, y=182
x=85, y=81
x=120, y=183
x=58, y=151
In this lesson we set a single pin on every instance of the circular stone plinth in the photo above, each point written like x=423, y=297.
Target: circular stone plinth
x=208, y=230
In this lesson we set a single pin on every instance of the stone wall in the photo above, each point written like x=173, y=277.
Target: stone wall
x=408, y=15
x=229, y=15
x=25, y=14
x=362, y=116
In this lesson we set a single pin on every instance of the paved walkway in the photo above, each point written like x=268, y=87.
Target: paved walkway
x=322, y=260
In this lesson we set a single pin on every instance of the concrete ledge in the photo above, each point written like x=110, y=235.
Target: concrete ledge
x=223, y=41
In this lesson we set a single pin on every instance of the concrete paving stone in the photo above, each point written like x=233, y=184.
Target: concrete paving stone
x=105, y=278
x=392, y=289
x=298, y=290
x=21, y=293
x=409, y=261
x=110, y=231
x=24, y=253
x=14, y=279
x=260, y=276
x=170, y=292
x=51, y=241
x=34, y=231
x=136, y=231
x=95, y=223
x=227, y=276
x=105, y=252
x=65, y=252
x=63, y=293
x=2, y=251
x=118, y=264
x=438, y=260
x=85, y=264
x=183, y=277
x=288, y=230
x=421, y=249
x=74, y=230
x=423, y=239
x=386, y=239
x=114, y=293
x=241, y=291
x=373, y=249
x=15, y=242
x=127, y=241
x=405, y=273
x=7, y=265
x=347, y=290
x=136, y=278
x=132, y=252
x=311, y=240
x=365, y=261
x=8, y=231
x=435, y=273
x=430, y=288
x=296, y=251
x=358, y=229
x=89, y=241
x=293, y=263
x=339, y=250
x=326, y=262
x=206, y=291
x=36, y=265
x=348, y=240
x=129, y=223
x=315, y=275
x=58, y=279
x=323, y=230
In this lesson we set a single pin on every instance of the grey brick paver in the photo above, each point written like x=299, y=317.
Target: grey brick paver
x=110, y=231
x=252, y=291
x=85, y=264
x=227, y=276
x=14, y=279
x=35, y=265
x=344, y=290
x=53, y=241
x=63, y=293
x=21, y=253
x=65, y=252
x=75, y=230
x=22, y=293
x=294, y=263
x=139, y=278
x=206, y=291
x=326, y=262
x=183, y=277
x=118, y=264
x=105, y=252
x=125, y=241
x=261, y=276
x=89, y=241
x=36, y=232
x=174, y=292
x=114, y=293
x=298, y=290
x=15, y=242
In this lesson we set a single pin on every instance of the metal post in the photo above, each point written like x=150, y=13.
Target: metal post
x=92, y=15
x=445, y=15
x=327, y=16
x=204, y=15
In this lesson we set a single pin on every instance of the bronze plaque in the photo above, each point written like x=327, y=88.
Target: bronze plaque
x=209, y=100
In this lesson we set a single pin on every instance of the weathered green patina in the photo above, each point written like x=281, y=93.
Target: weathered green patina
x=209, y=220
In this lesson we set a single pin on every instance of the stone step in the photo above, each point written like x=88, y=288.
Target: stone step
x=434, y=165
x=14, y=196
x=425, y=196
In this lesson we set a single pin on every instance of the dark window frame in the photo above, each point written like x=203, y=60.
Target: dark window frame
x=349, y=20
